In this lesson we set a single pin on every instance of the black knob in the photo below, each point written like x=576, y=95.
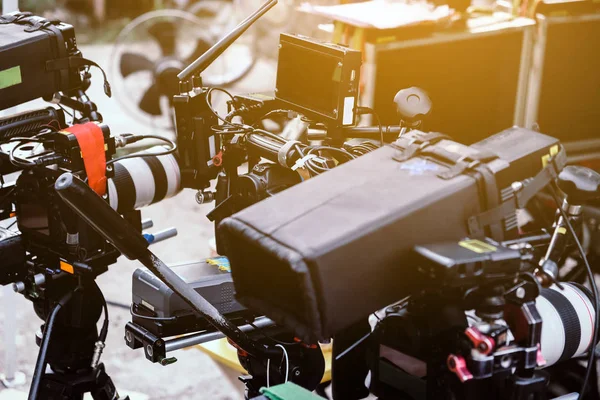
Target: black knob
x=580, y=184
x=412, y=105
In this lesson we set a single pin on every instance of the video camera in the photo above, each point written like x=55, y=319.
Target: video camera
x=332, y=223
x=54, y=256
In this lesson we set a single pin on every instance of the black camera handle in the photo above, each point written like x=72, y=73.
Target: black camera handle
x=110, y=225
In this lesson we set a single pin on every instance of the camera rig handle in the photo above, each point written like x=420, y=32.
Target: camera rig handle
x=108, y=223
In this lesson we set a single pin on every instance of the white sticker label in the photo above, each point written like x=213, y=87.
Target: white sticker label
x=348, y=116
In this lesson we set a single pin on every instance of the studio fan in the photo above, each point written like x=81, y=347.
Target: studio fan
x=152, y=49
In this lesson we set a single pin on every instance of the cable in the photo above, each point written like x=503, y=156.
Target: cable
x=268, y=371
x=133, y=139
x=368, y=110
x=592, y=353
x=227, y=127
x=272, y=112
x=65, y=110
x=40, y=365
x=104, y=330
x=287, y=361
x=261, y=331
x=210, y=107
x=353, y=346
x=133, y=313
x=15, y=161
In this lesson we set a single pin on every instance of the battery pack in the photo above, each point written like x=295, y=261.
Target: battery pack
x=162, y=312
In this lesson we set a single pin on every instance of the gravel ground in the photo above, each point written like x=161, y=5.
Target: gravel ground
x=195, y=375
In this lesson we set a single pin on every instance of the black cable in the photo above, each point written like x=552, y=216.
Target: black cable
x=65, y=110
x=23, y=141
x=368, y=110
x=592, y=353
x=272, y=112
x=212, y=110
x=270, y=337
x=104, y=331
x=40, y=365
x=133, y=313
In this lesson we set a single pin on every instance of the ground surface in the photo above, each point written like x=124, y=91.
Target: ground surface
x=195, y=375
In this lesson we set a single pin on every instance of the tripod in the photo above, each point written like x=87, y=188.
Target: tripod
x=70, y=344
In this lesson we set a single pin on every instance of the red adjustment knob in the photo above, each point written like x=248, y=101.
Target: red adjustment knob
x=458, y=365
x=484, y=344
x=218, y=159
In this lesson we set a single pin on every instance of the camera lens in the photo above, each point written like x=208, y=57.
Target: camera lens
x=141, y=181
x=568, y=322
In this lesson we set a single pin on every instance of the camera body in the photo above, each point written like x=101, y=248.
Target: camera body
x=479, y=323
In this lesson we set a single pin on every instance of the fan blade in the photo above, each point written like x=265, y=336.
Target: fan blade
x=164, y=33
x=150, y=103
x=133, y=62
x=201, y=47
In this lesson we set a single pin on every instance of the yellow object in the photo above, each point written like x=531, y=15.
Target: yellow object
x=224, y=353
x=553, y=151
x=338, y=31
x=477, y=246
x=67, y=267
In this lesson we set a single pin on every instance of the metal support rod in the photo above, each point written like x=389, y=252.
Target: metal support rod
x=147, y=223
x=200, y=64
x=161, y=235
x=200, y=338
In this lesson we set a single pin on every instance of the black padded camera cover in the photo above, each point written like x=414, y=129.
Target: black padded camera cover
x=326, y=253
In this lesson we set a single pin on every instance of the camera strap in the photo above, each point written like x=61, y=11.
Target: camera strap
x=14, y=17
x=553, y=165
x=475, y=165
x=416, y=145
x=91, y=142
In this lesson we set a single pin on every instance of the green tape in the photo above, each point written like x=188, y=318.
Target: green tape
x=10, y=77
x=288, y=391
